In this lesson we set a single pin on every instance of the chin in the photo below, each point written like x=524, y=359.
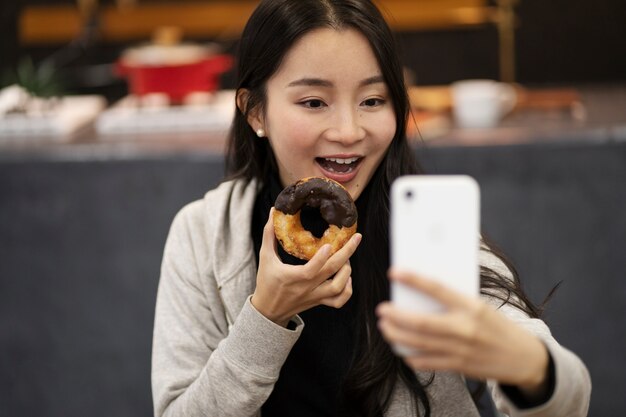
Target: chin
x=355, y=192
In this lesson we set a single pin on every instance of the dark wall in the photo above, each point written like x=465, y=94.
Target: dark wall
x=81, y=244
x=8, y=41
x=558, y=213
x=572, y=40
x=557, y=41
x=80, y=248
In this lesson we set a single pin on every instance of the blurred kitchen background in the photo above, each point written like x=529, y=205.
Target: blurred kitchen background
x=113, y=115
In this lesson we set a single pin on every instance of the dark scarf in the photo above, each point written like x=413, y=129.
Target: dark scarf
x=310, y=380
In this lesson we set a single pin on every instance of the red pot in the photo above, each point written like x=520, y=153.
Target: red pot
x=174, y=79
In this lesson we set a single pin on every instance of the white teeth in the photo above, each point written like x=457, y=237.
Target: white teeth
x=342, y=160
x=350, y=169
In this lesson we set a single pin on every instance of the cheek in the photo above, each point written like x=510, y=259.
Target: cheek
x=291, y=135
x=385, y=131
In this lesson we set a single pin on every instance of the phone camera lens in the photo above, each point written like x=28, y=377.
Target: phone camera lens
x=409, y=194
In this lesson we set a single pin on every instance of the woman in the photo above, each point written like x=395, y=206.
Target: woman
x=321, y=93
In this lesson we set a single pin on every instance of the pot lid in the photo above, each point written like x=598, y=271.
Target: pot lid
x=166, y=48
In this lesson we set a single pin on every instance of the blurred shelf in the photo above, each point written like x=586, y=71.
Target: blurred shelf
x=40, y=25
x=600, y=121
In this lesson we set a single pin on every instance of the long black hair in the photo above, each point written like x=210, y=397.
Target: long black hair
x=270, y=32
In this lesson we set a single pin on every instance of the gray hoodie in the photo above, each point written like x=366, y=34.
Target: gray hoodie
x=215, y=355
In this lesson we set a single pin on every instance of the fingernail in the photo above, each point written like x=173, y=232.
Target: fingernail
x=397, y=274
x=381, y=324
x=357, y=237
x=380, y=309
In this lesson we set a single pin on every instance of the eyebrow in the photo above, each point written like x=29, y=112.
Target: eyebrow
x=319, y=82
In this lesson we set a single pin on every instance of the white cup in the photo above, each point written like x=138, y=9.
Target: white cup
x=481, y=103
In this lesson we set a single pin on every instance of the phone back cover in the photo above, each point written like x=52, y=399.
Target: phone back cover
x=436, y=234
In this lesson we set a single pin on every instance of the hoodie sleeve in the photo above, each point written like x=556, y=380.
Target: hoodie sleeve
x=572, y=383
x=200, y=367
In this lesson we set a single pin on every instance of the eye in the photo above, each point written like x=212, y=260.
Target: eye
x=313, y=103
x=373, y=102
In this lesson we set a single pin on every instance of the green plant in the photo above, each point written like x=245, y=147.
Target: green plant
x=40, y=81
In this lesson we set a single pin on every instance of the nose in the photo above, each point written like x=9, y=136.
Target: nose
x=346, y=127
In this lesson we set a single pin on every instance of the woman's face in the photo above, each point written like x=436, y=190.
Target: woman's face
x=328, y=112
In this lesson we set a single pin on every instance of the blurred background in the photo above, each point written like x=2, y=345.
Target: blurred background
x=114, y=114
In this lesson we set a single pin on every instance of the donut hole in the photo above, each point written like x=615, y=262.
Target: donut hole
x=312, y=221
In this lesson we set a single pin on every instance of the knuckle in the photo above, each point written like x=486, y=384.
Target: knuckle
x=478, y=311
x=334, y=289
x=341, y=301
x=330, y=269
x=302, y=276
x=436, y=287
x=413, y=362
x=460, y=362
x=470, y=333
x=308, y=272
x=313, y=277
x=336, y=264
x=421, y=325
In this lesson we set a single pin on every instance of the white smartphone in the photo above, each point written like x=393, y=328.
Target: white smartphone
x=435, y=233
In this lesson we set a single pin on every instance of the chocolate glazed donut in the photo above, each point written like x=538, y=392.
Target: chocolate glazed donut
x=336, y=207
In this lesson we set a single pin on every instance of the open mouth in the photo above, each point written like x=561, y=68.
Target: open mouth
x=339, y=165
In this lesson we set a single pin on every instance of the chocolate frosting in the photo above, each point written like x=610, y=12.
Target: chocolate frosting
x=335, y=204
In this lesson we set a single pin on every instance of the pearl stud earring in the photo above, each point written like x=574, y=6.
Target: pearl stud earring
x=260, y=133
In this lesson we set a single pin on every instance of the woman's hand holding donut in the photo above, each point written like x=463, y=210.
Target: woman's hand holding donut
x=283, y=291
x=470, y=337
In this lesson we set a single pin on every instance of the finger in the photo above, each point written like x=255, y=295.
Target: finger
x=410, y=320
x=350, y=247
x=423, y=342
x=268, y=242
x=456, y=326
x=434, y=362
x=445, y=362
x=339, y=258
x=440, y=292
x=342, y=298
x=396, y=335
x=333, y=287
x=443, y=353
x=317, y=262
x=407, y=319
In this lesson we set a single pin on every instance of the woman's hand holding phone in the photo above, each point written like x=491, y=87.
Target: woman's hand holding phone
x=436, y=319
x=283, y=291
x=469, y=337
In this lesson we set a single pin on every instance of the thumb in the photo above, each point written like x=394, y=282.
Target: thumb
x=268, y=244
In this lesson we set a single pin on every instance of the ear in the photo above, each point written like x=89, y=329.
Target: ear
x=254, y=117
